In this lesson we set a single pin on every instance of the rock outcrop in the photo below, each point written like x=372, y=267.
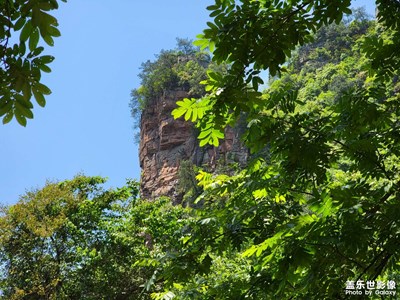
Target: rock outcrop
x=166, y=142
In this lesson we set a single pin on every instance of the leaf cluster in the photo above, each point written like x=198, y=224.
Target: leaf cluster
x=22, y=62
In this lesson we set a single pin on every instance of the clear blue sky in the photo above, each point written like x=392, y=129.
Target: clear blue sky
x=86, y=125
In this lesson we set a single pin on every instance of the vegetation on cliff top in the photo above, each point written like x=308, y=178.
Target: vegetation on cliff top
x=181, y=68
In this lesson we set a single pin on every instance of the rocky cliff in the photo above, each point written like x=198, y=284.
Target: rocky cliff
x=165, y=143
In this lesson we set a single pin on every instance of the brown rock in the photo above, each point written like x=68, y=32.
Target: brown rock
x=165, y=142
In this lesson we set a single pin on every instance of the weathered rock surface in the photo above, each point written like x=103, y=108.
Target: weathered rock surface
x=165, y=143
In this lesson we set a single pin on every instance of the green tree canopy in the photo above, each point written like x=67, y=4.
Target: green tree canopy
x=75, y=240
x=318, y=205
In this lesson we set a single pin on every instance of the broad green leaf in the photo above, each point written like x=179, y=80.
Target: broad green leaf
x=21, y=110
x=26, y=31
x=45, y=68
x=53, y=31
x=39, y=87
x=26, y=90
x=22, y=48
x=39, y=98
x=37, y=51
x=33, y=39
x=8, y=117
x=178, y=112
x=48, y=39
x=188, y=114
x=204, y=133
x=19, y=24
x=23, y=101
x=46, y=59
x=20, y=118
x=5, y=107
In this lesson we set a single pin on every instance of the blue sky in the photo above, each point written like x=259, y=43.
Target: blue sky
x=86, y=125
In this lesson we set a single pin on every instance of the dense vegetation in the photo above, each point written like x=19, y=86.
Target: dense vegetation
x=316, y=208
x=75, y=240
x=181, y=68
x=319, y=207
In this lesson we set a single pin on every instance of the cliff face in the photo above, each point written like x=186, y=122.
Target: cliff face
x=165, y=143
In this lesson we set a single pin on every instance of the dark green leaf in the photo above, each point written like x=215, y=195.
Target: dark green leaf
x=39, y=98
x=26, y=31
x=48, y=39
x=5, y=107
x=8, y=117
x=39, y=87
x=21, y=119
x=19, y=24
x=21, y=110
x=46, y=59
x=33, y=39
x=53, y=31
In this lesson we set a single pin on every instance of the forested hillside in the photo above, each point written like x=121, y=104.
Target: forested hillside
x=314, y=214
x=317, y=207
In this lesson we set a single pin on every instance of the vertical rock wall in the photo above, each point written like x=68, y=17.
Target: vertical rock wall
x=165, y=142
